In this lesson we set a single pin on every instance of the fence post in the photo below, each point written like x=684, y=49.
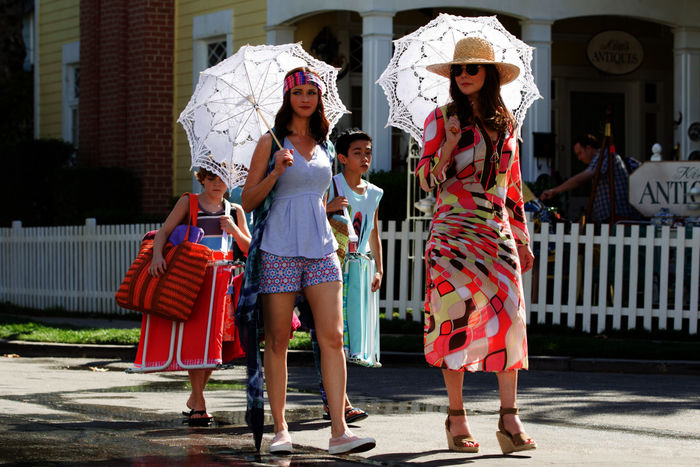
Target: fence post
x=663, y=276
x=404, y=240
x=575, y=279
x=527, y=277
x=14, y=254
x=694, y=281
x=390, y=269
x=542, y=274
x=89, y=266
x=418, y=287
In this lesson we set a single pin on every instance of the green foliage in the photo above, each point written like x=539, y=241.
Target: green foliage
x=24, y=329
x=16, y=107
x=109, y=194
x=7, y=308
x=407, y=343
x=301, y=341
x=400, y=326
x=47, y=189
x=30, y=167
x=397, y=336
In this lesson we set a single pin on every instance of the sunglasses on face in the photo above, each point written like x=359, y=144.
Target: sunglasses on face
x=472, y=69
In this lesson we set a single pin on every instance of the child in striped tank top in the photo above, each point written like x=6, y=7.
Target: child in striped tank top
x=213, y=217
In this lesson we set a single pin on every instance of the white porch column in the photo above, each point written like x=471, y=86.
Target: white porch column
x=280, y=34
x=377, y=27
x=538, y=34
x=686, y=86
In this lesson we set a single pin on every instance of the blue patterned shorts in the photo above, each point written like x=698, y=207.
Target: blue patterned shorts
x=294, y=273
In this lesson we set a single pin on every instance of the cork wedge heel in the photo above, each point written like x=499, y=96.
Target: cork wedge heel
x=512, y=443
x=459, y=443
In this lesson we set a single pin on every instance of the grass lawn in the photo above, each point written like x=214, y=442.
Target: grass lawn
x=397, y=336
x=15, y=328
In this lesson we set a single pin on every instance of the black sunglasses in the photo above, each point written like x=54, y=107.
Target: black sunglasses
x=472, y=69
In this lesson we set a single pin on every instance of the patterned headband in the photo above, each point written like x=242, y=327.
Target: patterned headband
x=303, y=77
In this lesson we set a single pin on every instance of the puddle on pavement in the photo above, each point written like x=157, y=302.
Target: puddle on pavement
x=57, y=441
x=183, y=384
x=88, y=432
x=226, y=418
x=96, y=434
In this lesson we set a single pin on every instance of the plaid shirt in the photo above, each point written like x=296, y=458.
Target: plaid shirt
x=601, y=203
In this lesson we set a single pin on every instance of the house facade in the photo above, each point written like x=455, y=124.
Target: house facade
x=113, y=76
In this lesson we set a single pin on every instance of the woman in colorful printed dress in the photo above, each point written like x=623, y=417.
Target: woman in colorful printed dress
x=297, y=251
x=479, y=244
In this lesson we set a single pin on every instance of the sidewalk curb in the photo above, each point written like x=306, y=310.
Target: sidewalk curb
x=53, y=349
x=305, y=358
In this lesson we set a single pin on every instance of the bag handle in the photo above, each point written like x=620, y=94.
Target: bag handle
x=192, y=216
x=273, y=149
x=339, y=192
x=224, y=234
x=336, y=192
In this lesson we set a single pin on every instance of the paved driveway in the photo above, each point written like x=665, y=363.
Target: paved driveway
x=89, y=412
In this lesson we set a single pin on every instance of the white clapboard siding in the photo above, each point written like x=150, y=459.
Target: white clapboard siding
x=623, y=278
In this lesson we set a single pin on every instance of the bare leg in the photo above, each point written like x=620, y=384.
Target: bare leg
x=347, y=404
x=198, y=380
x=454, y=382
x=508, y=390
x=317, y=363
x=326, y=304
x=277, y=315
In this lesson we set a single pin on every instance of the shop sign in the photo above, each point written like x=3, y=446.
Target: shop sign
x=657, y=185
x=615, y=52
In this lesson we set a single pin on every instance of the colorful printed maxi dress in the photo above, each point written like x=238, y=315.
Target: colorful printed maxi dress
x=474, y=310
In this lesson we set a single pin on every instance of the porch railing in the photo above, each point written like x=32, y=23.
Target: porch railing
x=621, y=277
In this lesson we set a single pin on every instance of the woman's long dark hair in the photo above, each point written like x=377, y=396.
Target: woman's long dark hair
x=318, y=122
x=494, y=113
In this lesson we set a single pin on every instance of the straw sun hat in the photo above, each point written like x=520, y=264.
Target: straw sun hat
x=474, y=50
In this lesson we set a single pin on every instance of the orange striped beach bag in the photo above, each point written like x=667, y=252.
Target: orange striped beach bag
x=173, y=293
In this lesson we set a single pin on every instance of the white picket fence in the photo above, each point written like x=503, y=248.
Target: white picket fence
x=78, y=268
x=632, y=277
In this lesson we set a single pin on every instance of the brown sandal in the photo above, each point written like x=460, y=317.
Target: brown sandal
x=512, y=443
x=459, y=443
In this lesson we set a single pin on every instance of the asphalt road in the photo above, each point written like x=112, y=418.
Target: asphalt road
x=73, y=411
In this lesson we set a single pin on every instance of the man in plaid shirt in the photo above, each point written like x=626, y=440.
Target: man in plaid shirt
x=587, y=151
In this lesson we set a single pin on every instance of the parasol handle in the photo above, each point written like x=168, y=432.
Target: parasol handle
x=257, y=108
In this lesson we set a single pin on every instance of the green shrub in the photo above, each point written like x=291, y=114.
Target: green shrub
x=47, y=188
x=109, y=194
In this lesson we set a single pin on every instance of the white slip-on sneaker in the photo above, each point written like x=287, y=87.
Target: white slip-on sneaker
x=350, y=443
x=281, y=443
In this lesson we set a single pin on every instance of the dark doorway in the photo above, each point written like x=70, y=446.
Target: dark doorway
x=588, y=113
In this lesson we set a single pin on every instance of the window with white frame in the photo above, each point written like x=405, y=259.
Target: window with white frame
x=73, y=99
x=28, y=37
x=216, y=52
x=71, y=92
x=212, y=42
x=212, y=37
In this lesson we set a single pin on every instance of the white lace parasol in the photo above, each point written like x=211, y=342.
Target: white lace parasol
x=236, y=100
x=413, y=91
